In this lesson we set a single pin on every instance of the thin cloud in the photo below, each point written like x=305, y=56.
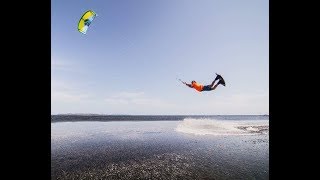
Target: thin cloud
x=65, y=92
x=62, y=96
x=246, y=98
x=59, y=65
x=238, y=104
x=136, y=98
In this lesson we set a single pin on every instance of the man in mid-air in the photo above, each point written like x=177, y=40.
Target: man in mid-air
x=200, y=87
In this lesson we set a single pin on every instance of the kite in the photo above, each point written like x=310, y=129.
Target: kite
x=85, y=21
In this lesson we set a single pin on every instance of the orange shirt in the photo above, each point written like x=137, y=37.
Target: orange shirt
x=197, y=86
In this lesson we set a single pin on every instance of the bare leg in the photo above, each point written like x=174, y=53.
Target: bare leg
x=214, y=87
x=212, y=83
x=217, y=78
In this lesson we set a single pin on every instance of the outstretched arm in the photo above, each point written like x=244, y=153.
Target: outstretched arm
x=188, y=85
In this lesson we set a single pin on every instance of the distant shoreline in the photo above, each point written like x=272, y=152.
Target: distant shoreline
x=108, y=118
x=79, y=114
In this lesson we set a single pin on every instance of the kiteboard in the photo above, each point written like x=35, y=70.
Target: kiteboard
x=221, y=80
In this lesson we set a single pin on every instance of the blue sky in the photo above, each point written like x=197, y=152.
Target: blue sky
x=135, y=50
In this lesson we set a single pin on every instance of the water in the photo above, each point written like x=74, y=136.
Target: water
x=223, y=127
x=159, y=147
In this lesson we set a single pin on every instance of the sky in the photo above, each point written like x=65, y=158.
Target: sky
x=134, y=52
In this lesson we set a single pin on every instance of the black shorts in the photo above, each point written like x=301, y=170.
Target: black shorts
x=206, y=88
